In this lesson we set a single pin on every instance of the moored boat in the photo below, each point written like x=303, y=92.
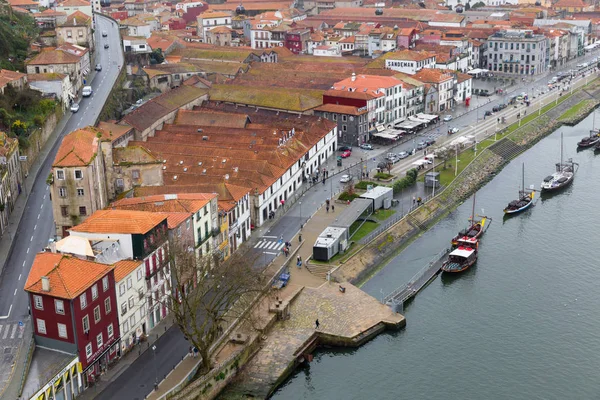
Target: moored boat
x=524, y=201
x=461, y=258
x=563, y=176
x=588, y=141
x=475, y=230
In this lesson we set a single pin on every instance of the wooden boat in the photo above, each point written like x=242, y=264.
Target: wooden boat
x=475, y=230
x=462, y=257
x=563, y=176
x=525, y=198
x=588, y=142
x=597, y=148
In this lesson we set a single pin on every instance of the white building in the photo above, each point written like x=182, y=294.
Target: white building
x=410, y=61
x=187, y=4
x=212, y=19
x=134, y=235
x=327, y=51
x=131, y=289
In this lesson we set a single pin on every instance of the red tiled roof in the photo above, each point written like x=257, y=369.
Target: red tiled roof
x=120, y=221
x=78, y=148
x=340, y=109
x=69, y=276
x=124, y=268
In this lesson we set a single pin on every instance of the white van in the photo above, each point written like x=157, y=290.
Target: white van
x=87, y=91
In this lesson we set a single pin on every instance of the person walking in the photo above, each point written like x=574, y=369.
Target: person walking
x=285, y=251
x=317, y=324
x=332, y=208
x=327, y=209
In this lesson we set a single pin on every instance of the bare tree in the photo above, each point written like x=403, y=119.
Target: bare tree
x=208, y=288
x=444, y=154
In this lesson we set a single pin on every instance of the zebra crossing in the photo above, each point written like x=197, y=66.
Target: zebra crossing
x=269, y=243
x=11, y=330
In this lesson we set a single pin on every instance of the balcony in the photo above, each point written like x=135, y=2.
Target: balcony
x=201, y=241
x=216, y=231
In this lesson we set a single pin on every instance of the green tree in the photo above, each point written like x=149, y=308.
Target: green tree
x=157, y=56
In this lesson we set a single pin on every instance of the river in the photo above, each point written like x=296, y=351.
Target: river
x=521, y=324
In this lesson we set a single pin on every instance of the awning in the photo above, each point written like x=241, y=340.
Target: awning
x=386, y=135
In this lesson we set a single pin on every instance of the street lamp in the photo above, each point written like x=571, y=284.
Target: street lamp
x=456, y=162
x=300, y=203
x=155, y=368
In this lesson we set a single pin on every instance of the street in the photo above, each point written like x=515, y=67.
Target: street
x=37, y=226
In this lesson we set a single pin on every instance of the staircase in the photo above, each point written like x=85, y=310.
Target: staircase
x=319, y=270
x=506, y=149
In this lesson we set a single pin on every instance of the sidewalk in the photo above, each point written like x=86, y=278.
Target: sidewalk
x=125, y=362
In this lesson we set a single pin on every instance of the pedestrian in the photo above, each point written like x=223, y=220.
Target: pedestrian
x=317, y=324
x=190, y=351
x=323, y=181
x=332, y=208
x=327, y=209
x=327, y=201
x=280, y=239
x=300, y=238
x=414, y=200
x=285, y=251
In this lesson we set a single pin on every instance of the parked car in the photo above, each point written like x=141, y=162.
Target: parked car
x=487, y=113
x=452, y=131
x=104, y=34
x=87, y=91
x=430, y=141
x=345, y=178
x=74, y=107
x=366, y=146
x=402, y=155
x=106, y=45
x=447, y=118
x=345, y=148
x=421, y=145
x=98, y=67
x=346, y=154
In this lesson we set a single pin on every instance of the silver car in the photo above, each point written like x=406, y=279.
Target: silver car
x=345, y=178
x=447, y=118
x=402, y=155
x=74, y=107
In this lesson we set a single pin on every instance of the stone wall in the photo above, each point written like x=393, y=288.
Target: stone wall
x=38, y=139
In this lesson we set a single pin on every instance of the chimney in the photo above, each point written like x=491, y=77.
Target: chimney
x=45, y=284
x=353, y=77
x=75, y=21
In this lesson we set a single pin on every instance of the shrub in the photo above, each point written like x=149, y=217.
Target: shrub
x=407, y=181
x=383, y=175
x=363, y=185
x=345, y=196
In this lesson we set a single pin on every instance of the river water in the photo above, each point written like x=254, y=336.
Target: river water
x=523, y=323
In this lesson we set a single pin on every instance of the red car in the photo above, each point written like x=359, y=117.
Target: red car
x=346, y=154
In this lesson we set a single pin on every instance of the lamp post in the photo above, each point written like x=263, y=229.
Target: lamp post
x=456, y=162
x=541, y=105
x=155, y=368
x=434, y=180
x=300, y=204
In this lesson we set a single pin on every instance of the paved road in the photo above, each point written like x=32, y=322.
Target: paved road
x=37, y=224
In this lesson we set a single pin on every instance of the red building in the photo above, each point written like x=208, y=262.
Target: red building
x=119, y=15
x=176, y=24
x=74, y=309
x=296, y=39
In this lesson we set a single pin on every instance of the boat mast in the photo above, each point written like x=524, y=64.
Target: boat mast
x=473, y=211
x=523, y=179
x=561, y=151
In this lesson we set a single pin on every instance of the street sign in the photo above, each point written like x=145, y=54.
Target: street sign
x=20, y=323
x=84, y=81
x=22, y=158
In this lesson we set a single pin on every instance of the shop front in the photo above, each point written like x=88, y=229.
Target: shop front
x=65, y=385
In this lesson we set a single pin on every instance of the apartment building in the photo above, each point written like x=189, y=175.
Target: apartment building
x=11, y=177
x=517, y=52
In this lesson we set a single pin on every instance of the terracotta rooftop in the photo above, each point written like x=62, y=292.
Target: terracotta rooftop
x=55, y=56
x=340, y=109
x=124, y=268
x=120, y=221
x=7, y=76
x=187, y=203
x=69, y=276
x=22, y=3
x=432, y=75
x=79, y=147
x=228, y=194
x=77, y=19
x=570, y=4
x=74, y=3
x=146, y=115
x=112, y=131
x=370, y=84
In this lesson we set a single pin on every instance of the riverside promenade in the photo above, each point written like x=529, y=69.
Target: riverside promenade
x=281, y=337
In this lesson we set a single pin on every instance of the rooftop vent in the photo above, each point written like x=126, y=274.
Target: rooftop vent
x=164, y=167
x=181, y=162
x=226, y=176
x=164, y=161
x=204, y=137
x=236, y=169
x=203, y=172
x=224, y=161
x=175, y=178
x=185, y=169
x=200, y=163
x=200, y=130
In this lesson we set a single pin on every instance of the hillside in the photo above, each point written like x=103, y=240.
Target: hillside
x=17, y=31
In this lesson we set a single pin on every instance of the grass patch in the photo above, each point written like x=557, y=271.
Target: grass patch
x=382, y=215
x=345, y=196
x=574, y=111
x=383, y=175
x=363, y=231
x=363, y=185
x=447, y=175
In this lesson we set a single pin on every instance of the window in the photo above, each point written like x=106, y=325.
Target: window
x=124, y=308
x=120, y=183
x=344, y=128
x=38, y=302
x=69, y=33
x=80, y=192
x=62, y=331
x=85, y=322
x=125, y=326
x=129, y=283
x=60, y=175
x=64, y=211
x=121, y=289
x=135, y=174
x=41, y=326
x=78, y=174
x=83, y=301
x=131, y=302
x=59, y=306
x=99, y=341
x=62, y=192
x=97, y=314
x=88, y=350
x=344, y=118
x=94, y=292
x=107, y=305
x=105, y=283
x=110, y=331
x=82, y=211
x=80, y=32
x=140, y=274
x=132, y=320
